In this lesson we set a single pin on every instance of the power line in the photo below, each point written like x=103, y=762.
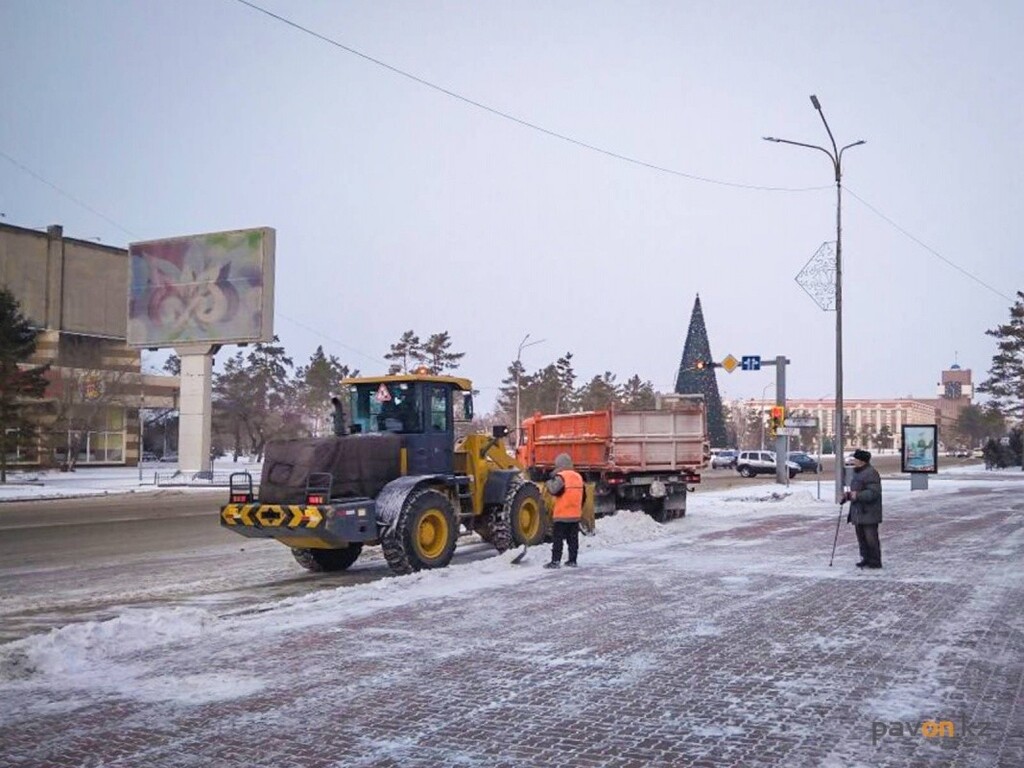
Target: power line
x=927, y=247
x=68, y=195
x=323, y=335
x=519, y=120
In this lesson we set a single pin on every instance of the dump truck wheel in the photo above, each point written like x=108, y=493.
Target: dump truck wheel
x=424, y=534
x=324, y=560
x=656, y=509
x=526, y=514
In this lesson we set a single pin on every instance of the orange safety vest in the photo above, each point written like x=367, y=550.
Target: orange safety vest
x=569, y=504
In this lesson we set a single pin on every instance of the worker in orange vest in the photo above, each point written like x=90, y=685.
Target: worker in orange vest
x=566, y=486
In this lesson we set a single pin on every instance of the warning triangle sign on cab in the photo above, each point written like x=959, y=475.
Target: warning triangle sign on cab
x=383, y=395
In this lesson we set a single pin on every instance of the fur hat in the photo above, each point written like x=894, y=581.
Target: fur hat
x=861, y=455
x=563, y=461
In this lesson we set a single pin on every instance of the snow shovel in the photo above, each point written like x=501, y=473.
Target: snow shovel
x=519, y=558
x=836, y=539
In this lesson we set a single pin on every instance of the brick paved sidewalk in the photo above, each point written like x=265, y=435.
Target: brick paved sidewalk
x=734, y=647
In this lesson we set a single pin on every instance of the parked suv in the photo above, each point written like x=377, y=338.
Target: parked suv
x=750, y=463
x=807, y=462
x=726, y=459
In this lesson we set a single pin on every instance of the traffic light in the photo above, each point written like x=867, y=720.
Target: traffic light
x=778, y=416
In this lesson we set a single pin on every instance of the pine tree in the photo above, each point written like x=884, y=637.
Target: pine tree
x=1006, y=376
x=544, y=392
x=567, y=400
x=256, y=394
x=405, y=353
x=600, y=393
x=637, y=395
x=506, y=402
x=314, y=385
x=18, y=385
x=436, y=356
x=692, y=381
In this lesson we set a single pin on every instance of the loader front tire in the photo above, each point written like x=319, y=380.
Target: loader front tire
x=526, y=513
x=326, y=560
x=424, y=534
x=495, y=528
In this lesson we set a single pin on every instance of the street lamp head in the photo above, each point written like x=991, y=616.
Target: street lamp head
x=815, y=102
x=770, y=138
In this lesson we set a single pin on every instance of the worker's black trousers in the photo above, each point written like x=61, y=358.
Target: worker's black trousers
x=565, y=530
x=870, y=546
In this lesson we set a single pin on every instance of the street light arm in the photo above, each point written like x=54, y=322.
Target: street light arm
x=801, y=144
x=521, y=344
x=854, y=144
x=821, y=112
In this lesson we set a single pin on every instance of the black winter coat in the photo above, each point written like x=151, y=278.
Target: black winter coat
x=867, y=508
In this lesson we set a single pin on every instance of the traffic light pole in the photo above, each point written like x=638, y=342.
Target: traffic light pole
x=781, y=441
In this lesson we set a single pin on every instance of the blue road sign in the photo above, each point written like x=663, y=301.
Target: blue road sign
x=751, y=363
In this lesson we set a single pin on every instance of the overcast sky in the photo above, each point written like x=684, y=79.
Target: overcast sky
x=397, y=206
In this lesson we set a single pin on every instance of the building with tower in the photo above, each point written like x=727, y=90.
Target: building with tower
x=876, y=423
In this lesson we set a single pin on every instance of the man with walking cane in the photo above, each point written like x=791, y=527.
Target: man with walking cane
x=865, y=497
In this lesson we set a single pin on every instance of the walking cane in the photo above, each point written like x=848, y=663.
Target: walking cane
x=836, y=539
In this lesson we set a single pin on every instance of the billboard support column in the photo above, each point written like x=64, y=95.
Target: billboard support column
x=195, y=410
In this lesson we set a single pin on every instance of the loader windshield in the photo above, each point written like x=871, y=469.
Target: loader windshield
x=388, y=407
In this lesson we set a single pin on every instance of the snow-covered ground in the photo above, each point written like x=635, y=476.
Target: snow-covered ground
x=100, y=481
x=740, y=557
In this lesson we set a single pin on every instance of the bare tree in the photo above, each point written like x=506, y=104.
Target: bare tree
x=83, y=401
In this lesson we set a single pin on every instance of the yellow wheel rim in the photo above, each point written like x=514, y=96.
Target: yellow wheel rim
x=529, y=519
x=432, y=533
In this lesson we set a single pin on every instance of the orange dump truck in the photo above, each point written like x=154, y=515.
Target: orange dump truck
x=641, y=460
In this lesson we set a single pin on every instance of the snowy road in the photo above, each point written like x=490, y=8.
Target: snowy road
x=90, y=558
x=721, y=639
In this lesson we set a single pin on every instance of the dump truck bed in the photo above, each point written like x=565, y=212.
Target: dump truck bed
x=624, y=441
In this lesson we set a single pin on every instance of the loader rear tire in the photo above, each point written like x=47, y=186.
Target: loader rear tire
x=326, y=560
x=424, y=534
x=526, y=513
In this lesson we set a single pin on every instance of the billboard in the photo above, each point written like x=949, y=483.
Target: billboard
x=920, y=448
x=215, y=288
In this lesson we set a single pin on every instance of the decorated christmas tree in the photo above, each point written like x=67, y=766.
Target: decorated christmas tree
x=694, y=379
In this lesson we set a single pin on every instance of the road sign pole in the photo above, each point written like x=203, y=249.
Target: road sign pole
x=781, y=441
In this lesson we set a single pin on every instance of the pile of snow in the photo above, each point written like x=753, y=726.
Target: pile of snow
x=92, y=656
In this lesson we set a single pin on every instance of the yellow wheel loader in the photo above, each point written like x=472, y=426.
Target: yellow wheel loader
x=395, y=477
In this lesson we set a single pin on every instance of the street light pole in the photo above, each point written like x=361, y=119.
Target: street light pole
x=836, y=156
x=522, y=345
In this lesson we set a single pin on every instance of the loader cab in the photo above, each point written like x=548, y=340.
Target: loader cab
x=421, y=408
